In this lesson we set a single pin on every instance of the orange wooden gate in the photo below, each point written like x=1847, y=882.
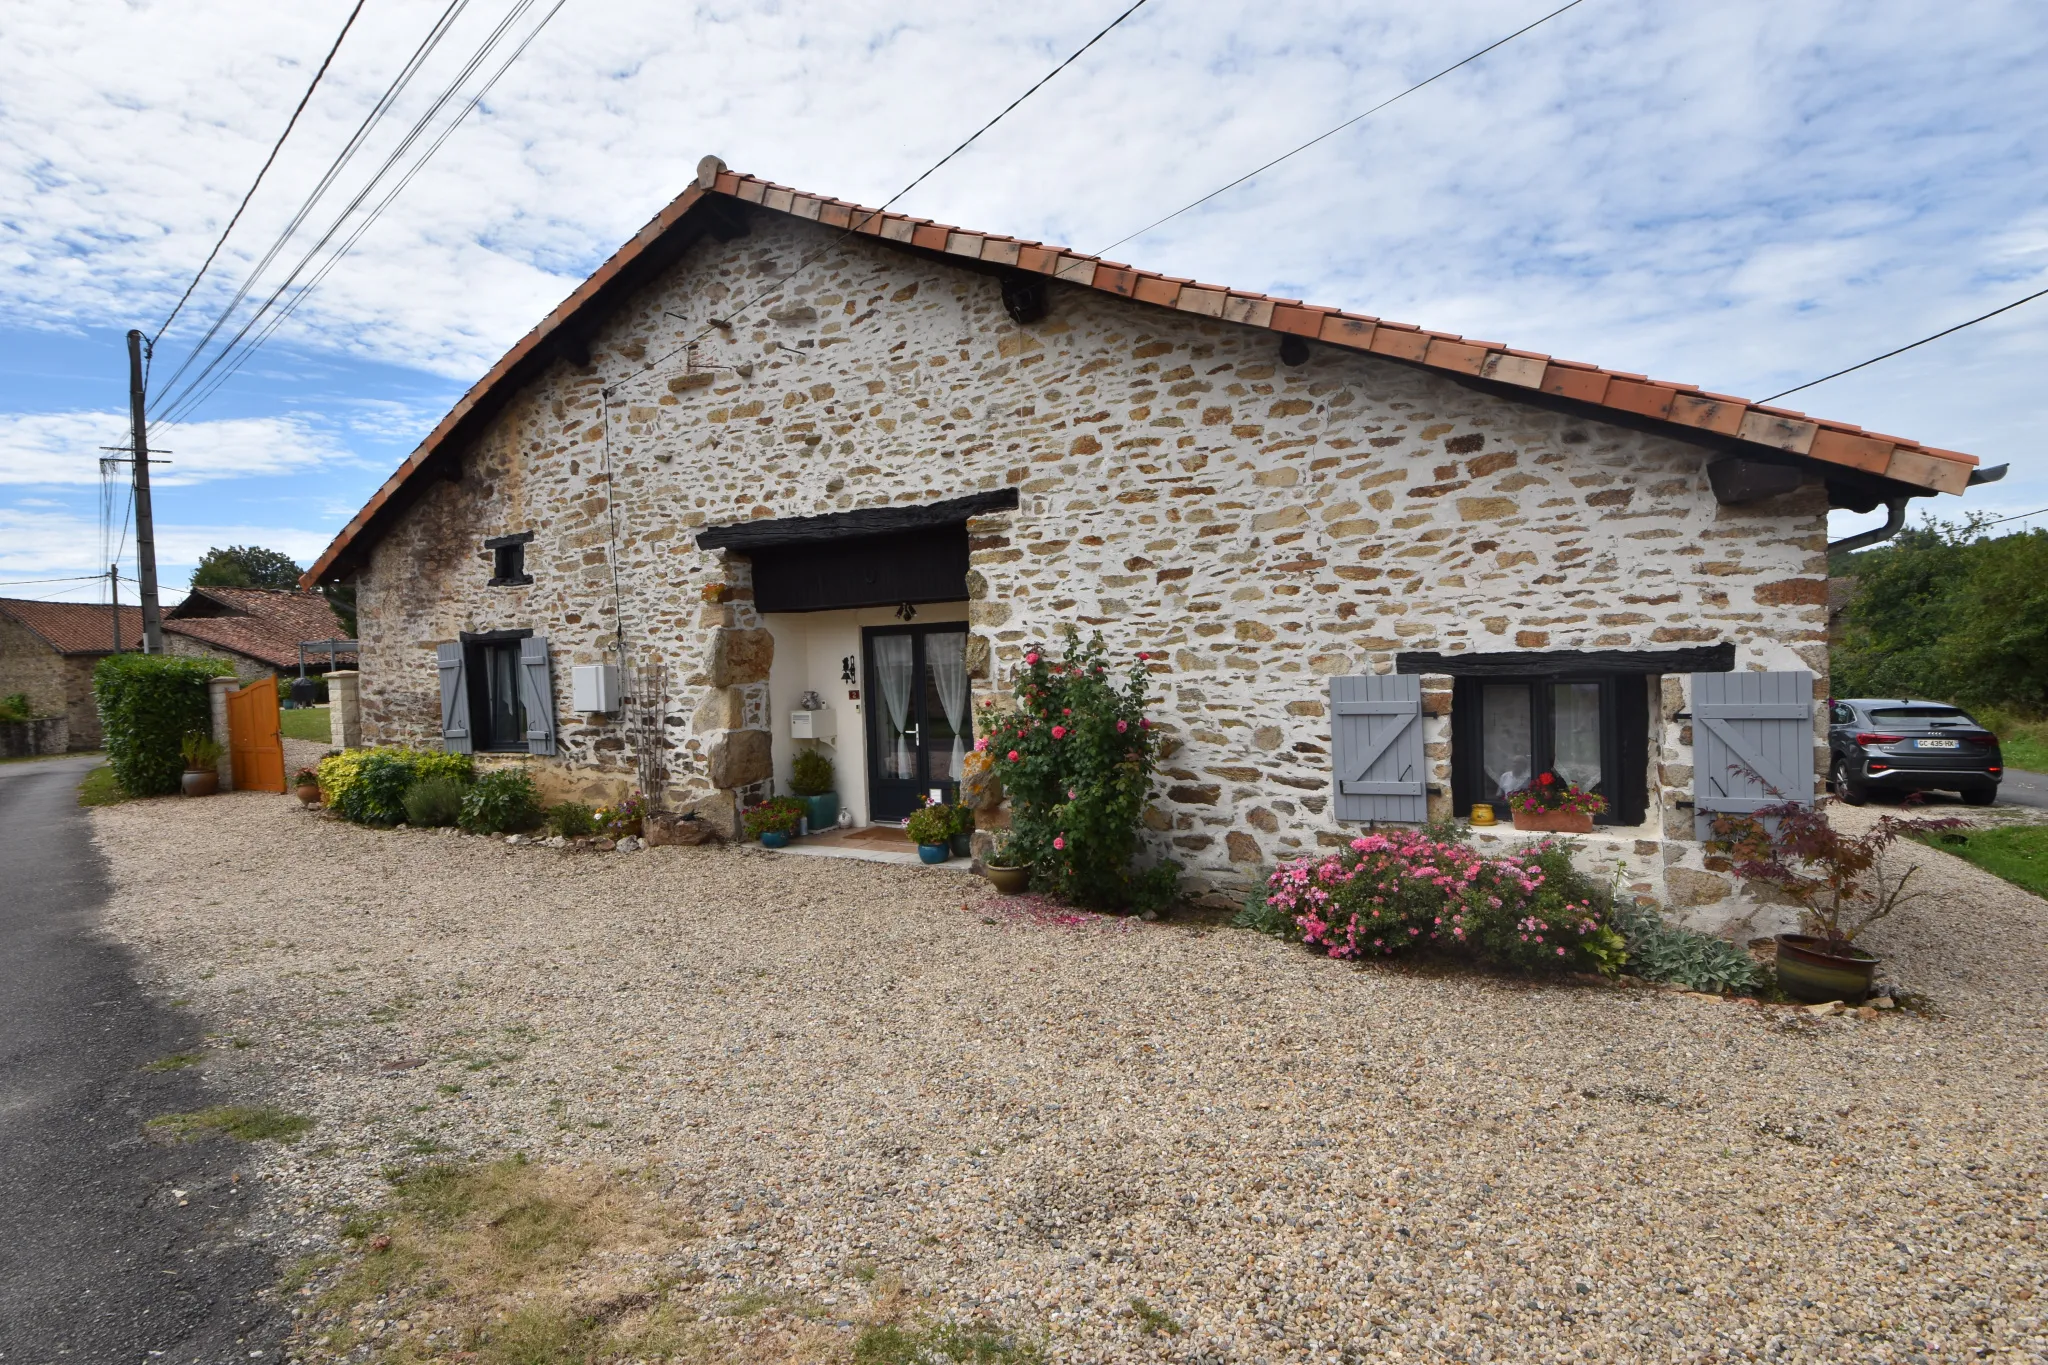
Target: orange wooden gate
x=254, y=745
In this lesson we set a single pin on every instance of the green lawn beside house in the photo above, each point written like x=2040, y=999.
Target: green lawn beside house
x=308, y=722
x=2018, y=853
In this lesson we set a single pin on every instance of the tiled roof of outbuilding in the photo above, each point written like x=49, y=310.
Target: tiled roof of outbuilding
x=1636, y=396
x=73, y=627
x=267, y=624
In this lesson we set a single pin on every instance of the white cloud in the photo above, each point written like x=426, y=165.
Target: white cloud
x=49, y=545
x=65, y=447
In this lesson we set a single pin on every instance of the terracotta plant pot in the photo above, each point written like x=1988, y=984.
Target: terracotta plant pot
x=309, y=794
x=1808, y=971
x=1010, y=881
x=200, y=782
x=1554, y=821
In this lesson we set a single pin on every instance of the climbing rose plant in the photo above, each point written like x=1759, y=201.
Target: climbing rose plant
x=1075, y=756
x=1402, y=891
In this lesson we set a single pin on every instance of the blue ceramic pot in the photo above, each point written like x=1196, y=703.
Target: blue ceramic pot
x=934, y=853
x=774, y=838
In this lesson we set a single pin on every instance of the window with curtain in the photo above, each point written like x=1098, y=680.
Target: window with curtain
x=1592, y=731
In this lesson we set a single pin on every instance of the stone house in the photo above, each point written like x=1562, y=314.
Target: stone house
x=798, y=451
x=48, y=651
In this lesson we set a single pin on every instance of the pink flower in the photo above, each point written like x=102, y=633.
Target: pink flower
x=1060, y=841
x=1066, y=710
x=1122, y=726
x=1059, y=732
x=981, y=745
x=1144, y=724
x=1142, y=655
x=1032, y=657
x=1013, y=755
x=1560, y=952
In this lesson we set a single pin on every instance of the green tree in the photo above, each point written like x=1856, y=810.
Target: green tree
x=1995, y=651
x=245, y=566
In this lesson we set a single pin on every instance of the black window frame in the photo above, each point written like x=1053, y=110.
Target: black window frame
x=477, y=647
x=1624, y=737
x=508, y=560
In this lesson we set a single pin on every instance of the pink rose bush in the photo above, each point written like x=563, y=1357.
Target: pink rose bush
x=1402, y=891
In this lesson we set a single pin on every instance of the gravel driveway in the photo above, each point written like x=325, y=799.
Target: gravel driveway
x=1040, y=1118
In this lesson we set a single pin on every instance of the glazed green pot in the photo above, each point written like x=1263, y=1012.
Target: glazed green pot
x=1806, y=971
x=824, y=811
x=1010, y=881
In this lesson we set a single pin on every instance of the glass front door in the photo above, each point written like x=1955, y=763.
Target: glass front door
x=918, y=724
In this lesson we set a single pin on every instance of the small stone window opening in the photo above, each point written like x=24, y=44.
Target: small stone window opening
x=508, y=560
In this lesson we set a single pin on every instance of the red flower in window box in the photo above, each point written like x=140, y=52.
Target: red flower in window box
x=1555, y=804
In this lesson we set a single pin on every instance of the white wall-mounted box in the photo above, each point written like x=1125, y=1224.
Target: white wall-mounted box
x=595, y=687
x=814, y=724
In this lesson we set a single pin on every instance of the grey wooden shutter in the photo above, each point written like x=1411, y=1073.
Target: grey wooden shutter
x=1752, y=743
x=537, y=681
x=454, y=699
x=1376, y=747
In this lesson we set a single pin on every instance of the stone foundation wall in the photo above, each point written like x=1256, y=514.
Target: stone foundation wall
x=1260, y=527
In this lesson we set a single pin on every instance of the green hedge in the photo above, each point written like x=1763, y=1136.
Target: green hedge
x=148, y=703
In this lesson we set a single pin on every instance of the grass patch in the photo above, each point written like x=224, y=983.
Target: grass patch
x=243, y=1122
x=515, y=1263
x=100, y=789
x=1154, y=1321
x=306, y=722
x=177, y=1061
x=2018, y=853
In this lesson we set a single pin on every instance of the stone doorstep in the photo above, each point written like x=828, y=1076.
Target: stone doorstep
x=871, y=855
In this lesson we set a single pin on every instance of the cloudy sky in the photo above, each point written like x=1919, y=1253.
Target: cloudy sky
x=1743, y=195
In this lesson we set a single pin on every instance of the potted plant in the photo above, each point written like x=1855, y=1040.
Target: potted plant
x=306, y=786
x=810, y=777
x=930, y=827
x=774, y=820
x=1005, y=869
x=1556, y=805
x=1840, y=883
x=962, y=842
x=202, y=777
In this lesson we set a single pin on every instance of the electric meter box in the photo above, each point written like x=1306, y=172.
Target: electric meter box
x=595, y=687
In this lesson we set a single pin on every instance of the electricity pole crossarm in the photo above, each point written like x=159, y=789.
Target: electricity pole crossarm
x=145, y=528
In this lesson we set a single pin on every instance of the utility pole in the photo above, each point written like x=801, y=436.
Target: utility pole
x=114, y=596
x=145, y=530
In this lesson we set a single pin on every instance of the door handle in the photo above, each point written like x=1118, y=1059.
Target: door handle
x=916, y=730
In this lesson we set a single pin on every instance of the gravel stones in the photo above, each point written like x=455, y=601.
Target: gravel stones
x=1040, y=1117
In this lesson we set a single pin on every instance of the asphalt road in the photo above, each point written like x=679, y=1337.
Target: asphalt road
x=114, y=1247
x=2024, y=789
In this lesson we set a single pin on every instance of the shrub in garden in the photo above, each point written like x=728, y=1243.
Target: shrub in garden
x=810, y=773
x=1076, y=758
x=340, y=769
x=623, y=819
x=148, y=703
x=1401, y=891
x=571, y=819
x=14, y=706
x=930, y=825
x=431, y=802
x=502, y=801
x=1658, y=951
x=199, y=751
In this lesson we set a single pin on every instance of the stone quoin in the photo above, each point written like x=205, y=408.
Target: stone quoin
x=782, y=445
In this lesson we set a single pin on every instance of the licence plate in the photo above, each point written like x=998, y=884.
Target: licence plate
x=1937, y=744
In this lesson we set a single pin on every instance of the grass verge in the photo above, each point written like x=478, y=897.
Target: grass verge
x=243, y=1122
x=305, y=722
x=100, y=789
x=2018, y=853
x=509, y=1263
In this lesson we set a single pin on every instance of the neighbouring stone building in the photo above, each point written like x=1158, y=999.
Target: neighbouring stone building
x=783, y=446
x=254, y=632
x=48, y=651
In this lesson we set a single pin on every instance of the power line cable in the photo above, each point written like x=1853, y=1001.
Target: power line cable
x=1321, y=137
x=73, y=578
x=195, y=396
x=378, y=111
x=1949, y=331
x=872, y=214
x=267, y=161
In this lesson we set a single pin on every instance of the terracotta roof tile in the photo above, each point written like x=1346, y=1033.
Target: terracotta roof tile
x=73, y=627
x=1682, y=405
x=267, y=624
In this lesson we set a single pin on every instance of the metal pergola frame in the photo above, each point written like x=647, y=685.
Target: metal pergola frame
x=332, y=648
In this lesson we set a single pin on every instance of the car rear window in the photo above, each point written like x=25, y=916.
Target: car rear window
x=1917, y=713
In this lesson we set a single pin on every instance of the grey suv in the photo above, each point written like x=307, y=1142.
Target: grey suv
x=1910, y=746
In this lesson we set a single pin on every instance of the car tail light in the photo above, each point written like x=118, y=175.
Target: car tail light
x=1994, y=768
x=1878, y=767
x=1868, y=738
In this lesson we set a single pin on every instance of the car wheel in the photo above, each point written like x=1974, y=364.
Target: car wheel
x=1847, y=791
x=1980, y=796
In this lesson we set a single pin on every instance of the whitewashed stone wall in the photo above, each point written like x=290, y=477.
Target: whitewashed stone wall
x=1264, y=526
